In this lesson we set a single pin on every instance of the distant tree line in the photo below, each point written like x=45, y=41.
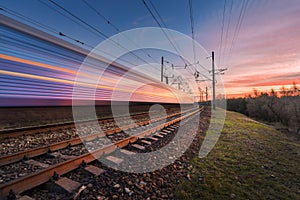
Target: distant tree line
x=282, y=107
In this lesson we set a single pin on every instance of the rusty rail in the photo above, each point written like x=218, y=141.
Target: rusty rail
x=42, y=176
x=17, y=132
x=7, y=159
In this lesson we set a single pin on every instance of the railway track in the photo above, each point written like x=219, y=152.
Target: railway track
x=61, y=163
x=17, y=132
x=26, y=139
x=10, y=158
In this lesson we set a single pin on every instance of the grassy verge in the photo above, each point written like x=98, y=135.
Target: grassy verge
x=250, y=161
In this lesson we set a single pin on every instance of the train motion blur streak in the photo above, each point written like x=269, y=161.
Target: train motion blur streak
x=38, y=69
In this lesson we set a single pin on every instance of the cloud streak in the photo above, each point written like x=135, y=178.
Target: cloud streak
x=267, y=53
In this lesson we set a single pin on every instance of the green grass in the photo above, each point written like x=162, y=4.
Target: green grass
x=249, y=161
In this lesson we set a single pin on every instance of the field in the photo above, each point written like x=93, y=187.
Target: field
x=250, y=161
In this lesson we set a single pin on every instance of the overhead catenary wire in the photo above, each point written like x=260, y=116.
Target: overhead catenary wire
x=226, y=35
x=202, y=66
x=101, y=15
x=165, y=26
x=38, y=24
x=90, y=27
x=156, y=11
x=238, y=27
x=187, y=63
x=164, y=31
x=222, y=30
x=103, y=35
x=56, y=32
x=23, y=17
x=68, y=17
x=163, y=22
x=242, y=18
x=192, y=28
x=193, y=37
x=89, y=45
x=109, y=22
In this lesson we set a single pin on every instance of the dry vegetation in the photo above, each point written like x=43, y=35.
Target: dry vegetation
x=279, y=108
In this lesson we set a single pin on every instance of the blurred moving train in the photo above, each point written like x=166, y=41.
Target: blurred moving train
x=38, y=69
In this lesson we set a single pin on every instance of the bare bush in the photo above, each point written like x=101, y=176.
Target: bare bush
x=282, y=107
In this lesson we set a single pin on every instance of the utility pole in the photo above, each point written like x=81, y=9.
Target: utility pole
x=213, y=80
x=167, y=78
x=162, y=70
x=179, y=86
x=201, y=97
x=206, y=93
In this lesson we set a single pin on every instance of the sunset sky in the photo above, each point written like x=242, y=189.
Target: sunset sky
x=257, y=40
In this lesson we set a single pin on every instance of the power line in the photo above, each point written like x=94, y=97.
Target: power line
x=192, y=27
x=202, y=66
x=101, y=15
x=99, y=50
x=115, y=27
x=162, y=21
x=156, y=11
x=193, y=37
x=187, y=66
x=147, y=7
x=43, y=26
x=56, y=32
x=221, y=40
x=242, y=18
x=164, y=31
x=18, y=15
x=90, y=46
x=66, y=16
x=79, y=19
x=238, y=26
x=98, y=31
x=227, y=29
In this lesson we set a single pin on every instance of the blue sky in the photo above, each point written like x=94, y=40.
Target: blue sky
x=124, y=14
x=267, y=40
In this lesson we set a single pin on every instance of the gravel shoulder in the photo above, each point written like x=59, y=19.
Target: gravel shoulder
x=115, y=184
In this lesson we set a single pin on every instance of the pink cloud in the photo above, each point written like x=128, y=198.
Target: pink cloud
x=267, y=52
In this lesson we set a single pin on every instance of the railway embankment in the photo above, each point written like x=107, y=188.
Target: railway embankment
x=250, y=161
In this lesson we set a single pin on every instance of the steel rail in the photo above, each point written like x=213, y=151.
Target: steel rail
x=28, y=182
x=11, y=158
x=5, y=133
x=16, y=132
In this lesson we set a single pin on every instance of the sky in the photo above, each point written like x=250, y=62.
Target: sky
x=258, y=41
